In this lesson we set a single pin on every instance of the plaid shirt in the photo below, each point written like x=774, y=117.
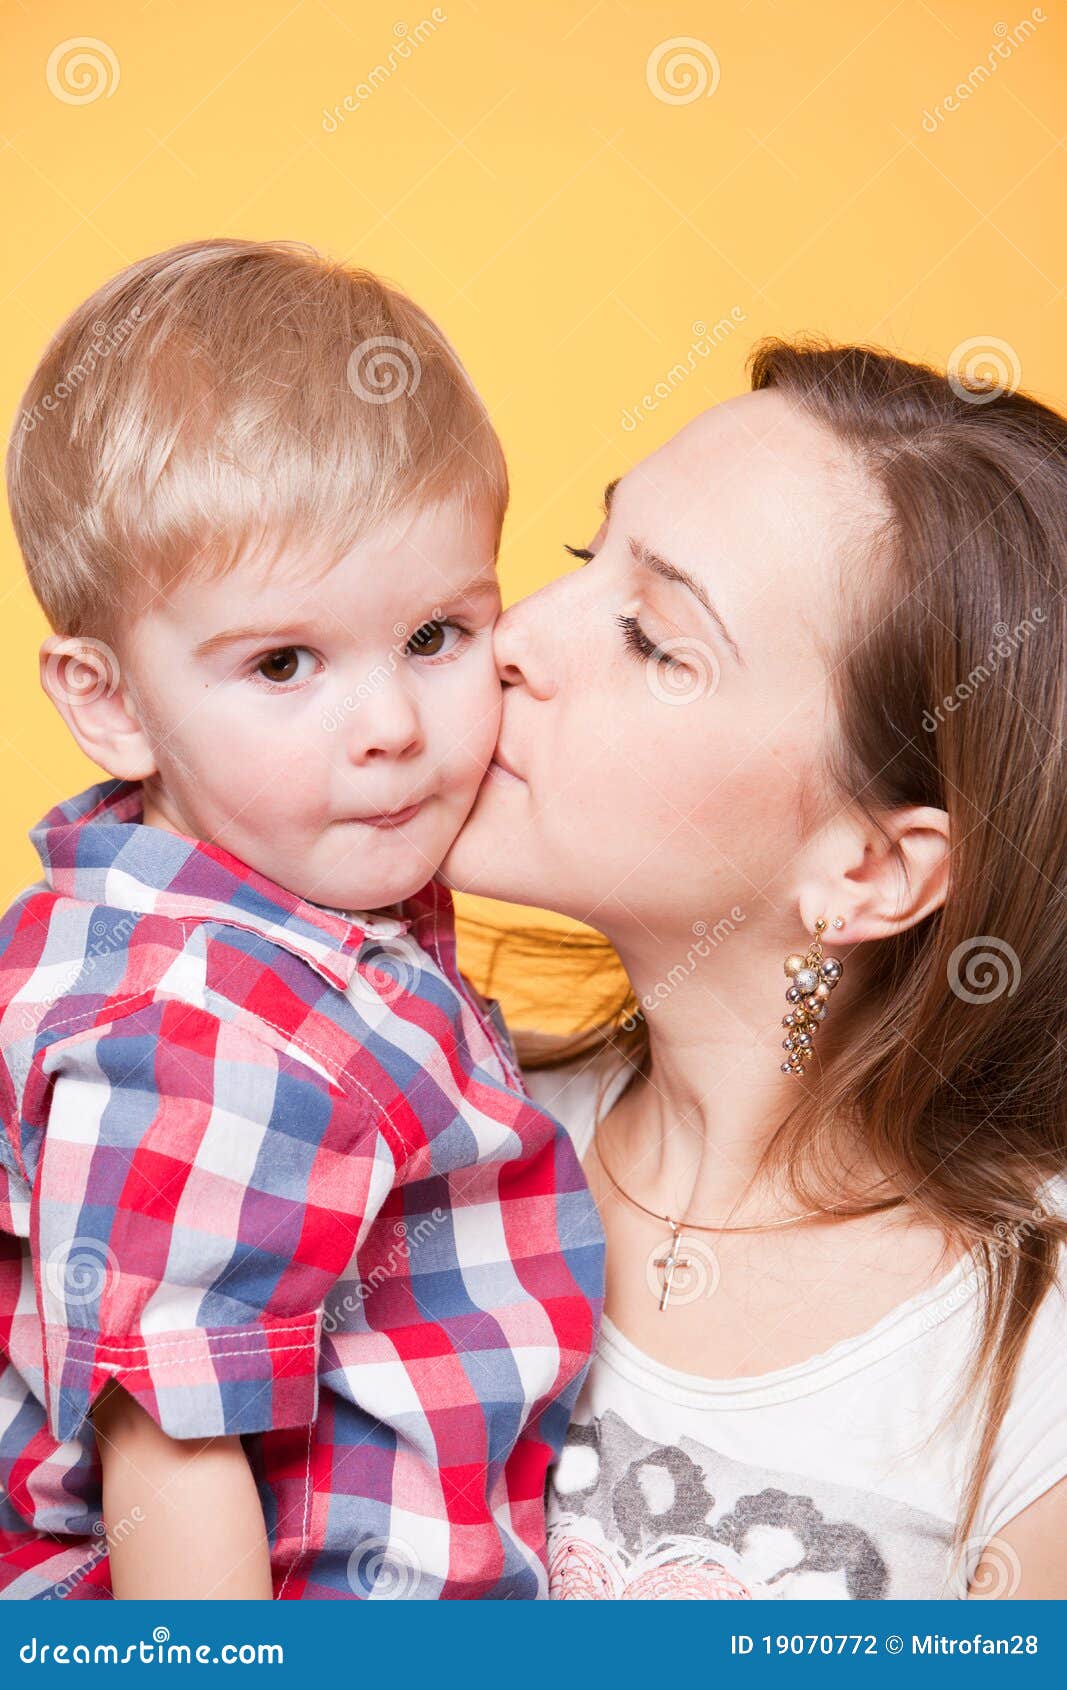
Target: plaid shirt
x=275, y=1171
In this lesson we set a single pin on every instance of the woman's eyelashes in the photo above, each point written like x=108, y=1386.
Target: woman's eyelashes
x=639, y=643
x=636, y=639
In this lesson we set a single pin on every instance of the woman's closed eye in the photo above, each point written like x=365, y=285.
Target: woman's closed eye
x=637, y=641
x=642, y=647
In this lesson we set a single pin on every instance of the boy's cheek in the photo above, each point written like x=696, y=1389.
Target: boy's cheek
x=485, y=730
x=468, y=730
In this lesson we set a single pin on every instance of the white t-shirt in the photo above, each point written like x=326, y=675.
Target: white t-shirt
x=828, y=1479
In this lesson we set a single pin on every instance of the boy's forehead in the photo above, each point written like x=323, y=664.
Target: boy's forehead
x=407, y=565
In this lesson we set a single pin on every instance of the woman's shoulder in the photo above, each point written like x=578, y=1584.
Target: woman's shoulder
x=1031, y=1452
x=1053, y=1199
x=573, y=1091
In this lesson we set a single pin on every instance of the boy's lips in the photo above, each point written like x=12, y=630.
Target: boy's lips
x=390, y=818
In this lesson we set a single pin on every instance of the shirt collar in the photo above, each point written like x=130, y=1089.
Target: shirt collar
x=96, y=848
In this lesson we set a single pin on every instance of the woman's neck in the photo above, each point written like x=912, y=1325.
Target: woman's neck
x=688, y=1138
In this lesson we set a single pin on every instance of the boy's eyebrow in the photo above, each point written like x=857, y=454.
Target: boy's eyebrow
x=480, y=586
x=235, y=636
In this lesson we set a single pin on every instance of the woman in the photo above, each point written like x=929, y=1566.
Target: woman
x=808, y=691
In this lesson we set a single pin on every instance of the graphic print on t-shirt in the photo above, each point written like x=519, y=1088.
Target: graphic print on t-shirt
x=631, y=1519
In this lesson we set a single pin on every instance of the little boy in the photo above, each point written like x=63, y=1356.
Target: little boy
x=297, y=1286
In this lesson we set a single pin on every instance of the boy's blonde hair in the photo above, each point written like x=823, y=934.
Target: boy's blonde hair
x=230, y=398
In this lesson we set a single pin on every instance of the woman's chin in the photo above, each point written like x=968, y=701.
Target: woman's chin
x=479, y=854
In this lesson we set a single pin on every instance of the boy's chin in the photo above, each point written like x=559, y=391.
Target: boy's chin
x=445, y=878
x=458, y=859
x=335, y=892
x=461, y=866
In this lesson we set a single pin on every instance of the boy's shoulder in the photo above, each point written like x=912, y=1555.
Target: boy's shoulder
x=137, y=936
x=67, y=965
x=129, y=918
x=127, y=910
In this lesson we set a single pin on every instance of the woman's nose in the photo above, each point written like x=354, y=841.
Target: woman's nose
x=522, y=657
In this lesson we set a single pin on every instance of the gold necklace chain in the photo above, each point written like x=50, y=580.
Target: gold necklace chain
x=702, y=1226
x=673, y=1260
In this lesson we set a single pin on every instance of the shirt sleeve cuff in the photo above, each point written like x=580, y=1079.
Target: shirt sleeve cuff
x=196, y=1384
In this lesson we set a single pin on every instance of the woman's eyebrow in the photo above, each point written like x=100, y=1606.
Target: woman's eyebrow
x=646, y=558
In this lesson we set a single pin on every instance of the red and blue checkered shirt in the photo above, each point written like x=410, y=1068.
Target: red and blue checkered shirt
x=274, y=1170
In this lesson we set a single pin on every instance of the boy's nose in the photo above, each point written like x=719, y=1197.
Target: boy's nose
x=385, y=728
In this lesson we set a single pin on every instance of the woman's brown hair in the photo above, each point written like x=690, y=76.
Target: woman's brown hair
x=950, y=683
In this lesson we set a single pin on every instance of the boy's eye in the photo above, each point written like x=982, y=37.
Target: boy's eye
x=282, y=665
x=435, y=638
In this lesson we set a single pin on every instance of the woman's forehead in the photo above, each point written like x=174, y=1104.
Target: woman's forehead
x=743, y=447
x=754, y=477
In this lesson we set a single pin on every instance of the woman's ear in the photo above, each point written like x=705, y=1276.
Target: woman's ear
x=83, y=678
x=887, y=877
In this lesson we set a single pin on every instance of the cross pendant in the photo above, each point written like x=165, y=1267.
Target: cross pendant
x=669, y=1265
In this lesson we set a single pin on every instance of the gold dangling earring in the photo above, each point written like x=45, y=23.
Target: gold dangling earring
x=813, y=977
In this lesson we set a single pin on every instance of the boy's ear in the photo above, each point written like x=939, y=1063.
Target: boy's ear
x=83, y=678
